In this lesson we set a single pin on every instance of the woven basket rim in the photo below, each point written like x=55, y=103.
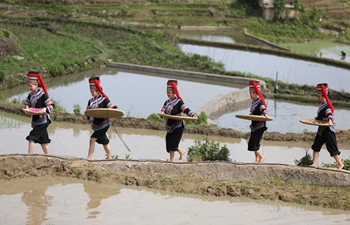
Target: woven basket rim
x=104, y=113
x=254, y=117
x=176, y=117
x=315, y=122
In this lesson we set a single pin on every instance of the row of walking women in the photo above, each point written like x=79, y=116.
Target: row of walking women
x=39, y=98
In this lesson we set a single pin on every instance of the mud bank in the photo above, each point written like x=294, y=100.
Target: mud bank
x=321, y=187
x=343, y=137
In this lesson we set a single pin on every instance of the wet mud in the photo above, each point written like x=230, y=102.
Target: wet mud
x=320, y=187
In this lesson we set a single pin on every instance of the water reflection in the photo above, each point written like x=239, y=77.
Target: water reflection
x=66, y=201
x=148, y=144
x=289, y=70
x=226, y=36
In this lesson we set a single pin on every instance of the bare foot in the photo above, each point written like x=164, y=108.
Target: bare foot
x=313, y=165
x=340, y=167
x=262, y=159
x=182, y=153
x=256, y=161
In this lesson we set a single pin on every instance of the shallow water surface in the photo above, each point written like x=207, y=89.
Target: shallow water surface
x=226, y=36
x=70, y=201
x=331, y=50
x=289, y=70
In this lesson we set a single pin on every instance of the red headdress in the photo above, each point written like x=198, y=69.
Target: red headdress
x=34, y=76
x=256, y=86
x=172, y=84
x=323, y=89
x=95, y=83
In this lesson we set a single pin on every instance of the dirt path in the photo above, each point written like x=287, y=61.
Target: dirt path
x=320, y=187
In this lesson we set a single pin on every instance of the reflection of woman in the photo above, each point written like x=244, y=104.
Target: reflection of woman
x=96, y=194
x=257, y=128
x=38, y=98
x=37, y=202
x=174, y=106
x=99, y=125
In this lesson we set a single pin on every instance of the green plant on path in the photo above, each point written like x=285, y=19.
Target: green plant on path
x=306, y=160
x=208, y=150
x=335, y=165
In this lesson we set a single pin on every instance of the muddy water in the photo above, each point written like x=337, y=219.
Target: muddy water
x=70, y=139
x=70, y=201
x=289, y=70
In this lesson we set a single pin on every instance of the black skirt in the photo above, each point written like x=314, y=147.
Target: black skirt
x=173, y=139
x=101, y=136
x=39, y=134
x=255, y=138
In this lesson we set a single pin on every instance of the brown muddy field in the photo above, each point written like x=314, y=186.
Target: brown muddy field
x=320, y=187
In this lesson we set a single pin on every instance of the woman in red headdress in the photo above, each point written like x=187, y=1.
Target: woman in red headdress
x=325, y=134
x=257, y=128
x=174, y=106
x=39, y=98
x=99, y=125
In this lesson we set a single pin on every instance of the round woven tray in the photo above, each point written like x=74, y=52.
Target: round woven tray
x=315, y=122
x=254, y=117
x=104, y=113
x=32, y=111
x=173, y=117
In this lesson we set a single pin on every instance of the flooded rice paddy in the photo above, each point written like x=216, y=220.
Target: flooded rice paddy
x=225, y=36
x=289, y=70
x=70, y=201
x=331, y=50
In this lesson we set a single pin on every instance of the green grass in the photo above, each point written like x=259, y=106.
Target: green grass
x=43, y=49
x=284, y=32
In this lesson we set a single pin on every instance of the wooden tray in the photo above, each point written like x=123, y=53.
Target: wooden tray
x=173, y=117
x=104, y=113
x=254, y=117
x=315, y=122
x=32, y=111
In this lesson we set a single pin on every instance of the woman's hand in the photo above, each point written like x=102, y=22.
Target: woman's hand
x=267, y=116
x=43, y=110
x=330, y=122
